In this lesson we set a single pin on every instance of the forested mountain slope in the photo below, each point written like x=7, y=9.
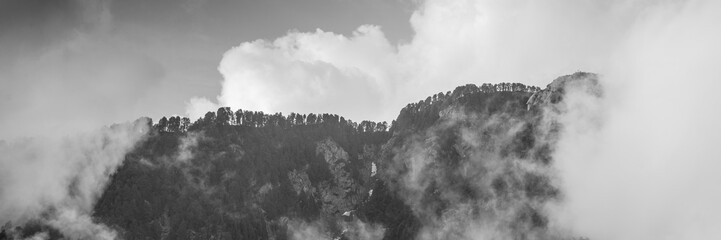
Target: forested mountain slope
x=476, y=160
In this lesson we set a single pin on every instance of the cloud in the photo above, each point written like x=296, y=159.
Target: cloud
x=462, y=181
x=76, y=77
x=640, y=164
x=649, y=170
x=77, y=87
x=333, y=229
x=306, y=72
x=63, y=76
x=188, y=143
x=96, y=14
x=299, y=230
x=76, y=225
x=365, y=76
x=58, y=179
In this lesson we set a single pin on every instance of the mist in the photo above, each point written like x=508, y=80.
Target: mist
x=318, y=230
x=643, y=162
x=63, y=70
x=365, y=76
x=57, y=180
x=638, y=164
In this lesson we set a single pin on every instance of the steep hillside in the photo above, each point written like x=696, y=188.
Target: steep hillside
x=474, y=163
x=477, y=160
x=239, y=182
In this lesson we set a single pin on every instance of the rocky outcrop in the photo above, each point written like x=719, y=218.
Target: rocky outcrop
x=342, y=194
x=300, y=182
x=369, y=156
x=554, y=91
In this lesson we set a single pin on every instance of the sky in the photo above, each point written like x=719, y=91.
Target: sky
x=72, y=64
x=642, y=163
x=79, y=64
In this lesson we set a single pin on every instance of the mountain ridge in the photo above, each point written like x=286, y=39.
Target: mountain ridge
x=250, y=175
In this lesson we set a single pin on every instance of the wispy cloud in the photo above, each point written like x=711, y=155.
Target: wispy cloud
x=646, y=166
x=56, y=180
x=455, y=42
x=637, y=165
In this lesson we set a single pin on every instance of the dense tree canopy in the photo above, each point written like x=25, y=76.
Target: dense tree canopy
x=244, y=174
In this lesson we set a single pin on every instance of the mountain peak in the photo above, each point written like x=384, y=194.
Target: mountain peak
x=554, y=91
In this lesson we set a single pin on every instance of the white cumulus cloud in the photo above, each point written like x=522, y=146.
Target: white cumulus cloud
x=365, y=76
x=645, y=168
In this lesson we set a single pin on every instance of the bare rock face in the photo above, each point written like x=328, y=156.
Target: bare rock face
x=300, y=181
x=331, y=152
x=370, y=154
x=555, y=90
x=342, y=194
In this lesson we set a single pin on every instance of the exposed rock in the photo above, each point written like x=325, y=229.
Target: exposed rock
x=343, y=193
x=369, y=156
x=331, y=152
x=300, y=181
x=554, y=91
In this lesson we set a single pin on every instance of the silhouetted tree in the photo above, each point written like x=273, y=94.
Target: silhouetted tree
x=311, y=118
x=291, y=118
x=209, y=117
x=239, y=117
x=174, y=124
x=162, y=124
x=300, y=119
x=381, y=127
x=184, y=124
x=224, y=116
x=248, y=119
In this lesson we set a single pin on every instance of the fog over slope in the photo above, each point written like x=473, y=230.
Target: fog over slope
x=56, y=181
x=454, y=43
x=642, y=164
x=639, y=163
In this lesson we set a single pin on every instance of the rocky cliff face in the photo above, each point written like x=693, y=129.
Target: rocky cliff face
x=300, y=182
x=341, y=193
